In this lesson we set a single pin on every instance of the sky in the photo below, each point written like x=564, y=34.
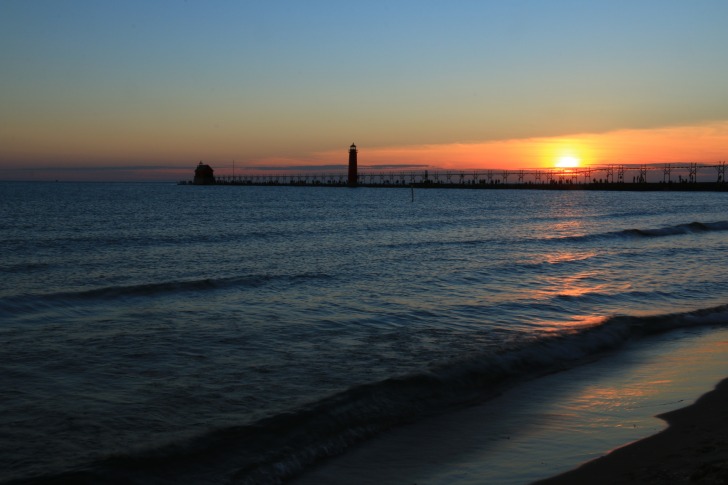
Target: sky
x=144, y=90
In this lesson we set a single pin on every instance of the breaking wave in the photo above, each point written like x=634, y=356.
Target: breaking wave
x=20, y=303
x=680, y=229
x=279, y=447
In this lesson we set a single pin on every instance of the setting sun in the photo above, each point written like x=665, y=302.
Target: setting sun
x=567, y=162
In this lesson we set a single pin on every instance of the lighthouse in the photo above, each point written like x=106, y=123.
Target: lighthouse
x=353, y=176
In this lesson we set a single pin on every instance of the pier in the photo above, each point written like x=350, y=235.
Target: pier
x=688, y=176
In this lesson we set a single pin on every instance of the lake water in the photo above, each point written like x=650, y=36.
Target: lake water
x=155, y=332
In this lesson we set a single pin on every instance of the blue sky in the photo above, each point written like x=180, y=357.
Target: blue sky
x=166, y=83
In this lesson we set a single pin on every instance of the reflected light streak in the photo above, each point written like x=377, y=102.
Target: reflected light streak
x=566, y=257
x=609, y=398
x=567, y=228
x=655, y=380
x=573, y=324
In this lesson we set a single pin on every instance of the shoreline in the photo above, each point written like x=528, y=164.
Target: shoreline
x=693, y=449
x=544, y=429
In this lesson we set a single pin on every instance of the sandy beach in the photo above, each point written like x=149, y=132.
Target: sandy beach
x=693, y=449
x=561, y=428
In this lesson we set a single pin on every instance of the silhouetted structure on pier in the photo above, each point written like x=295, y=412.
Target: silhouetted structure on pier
x=204, y=175
x=353, y=173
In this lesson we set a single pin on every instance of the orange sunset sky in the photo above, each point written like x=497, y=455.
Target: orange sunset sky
x=144, y=90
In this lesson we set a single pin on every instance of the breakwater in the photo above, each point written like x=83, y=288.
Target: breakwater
x=678, y=177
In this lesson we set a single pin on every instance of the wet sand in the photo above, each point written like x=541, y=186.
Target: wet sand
x=556, y=423
x=693, y=449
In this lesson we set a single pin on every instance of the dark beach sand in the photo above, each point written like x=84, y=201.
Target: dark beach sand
x=693, y=449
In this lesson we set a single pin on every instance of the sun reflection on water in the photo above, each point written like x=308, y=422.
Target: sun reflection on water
x=569, y=325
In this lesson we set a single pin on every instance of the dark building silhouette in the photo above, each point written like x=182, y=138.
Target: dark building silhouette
x=353, y=175
x=204, y=175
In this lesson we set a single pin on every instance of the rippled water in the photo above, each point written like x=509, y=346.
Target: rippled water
x=135, y=316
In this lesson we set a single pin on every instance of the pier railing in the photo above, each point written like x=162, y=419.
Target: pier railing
x=687, y=173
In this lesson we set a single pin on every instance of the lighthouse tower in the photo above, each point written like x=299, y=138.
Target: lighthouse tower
x=353, y=176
